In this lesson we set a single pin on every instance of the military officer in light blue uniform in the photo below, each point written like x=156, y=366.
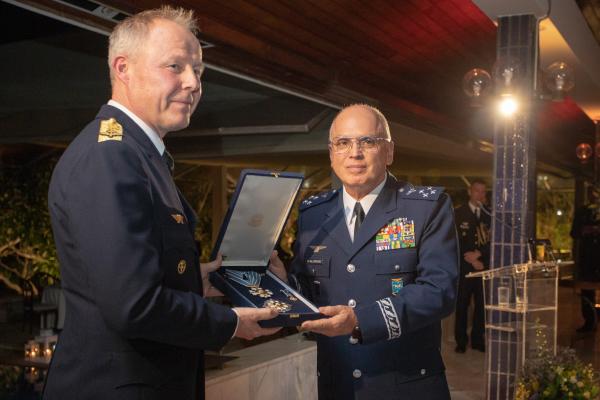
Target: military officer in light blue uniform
x=380, y=258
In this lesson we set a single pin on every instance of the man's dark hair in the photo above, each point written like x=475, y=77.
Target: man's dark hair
x=479, y=181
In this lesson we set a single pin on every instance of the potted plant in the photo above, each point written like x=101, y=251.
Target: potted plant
x=563, y=375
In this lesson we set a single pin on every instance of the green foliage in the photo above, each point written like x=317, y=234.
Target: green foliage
x=27, y=248
x=9, y=376
x=550, y=225
x=555, y=377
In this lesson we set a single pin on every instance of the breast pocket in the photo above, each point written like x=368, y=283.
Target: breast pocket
x=319, y=271
x=395, y=269
x=179, y=256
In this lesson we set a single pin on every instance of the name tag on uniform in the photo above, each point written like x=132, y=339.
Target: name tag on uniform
x=398, y=234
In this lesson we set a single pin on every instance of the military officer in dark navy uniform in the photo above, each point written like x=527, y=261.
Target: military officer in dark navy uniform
x=473, y=226
x=379, y=257
x=586, y=234
x=136, y=321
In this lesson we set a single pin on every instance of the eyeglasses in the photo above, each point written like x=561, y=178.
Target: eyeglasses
x=367, y=143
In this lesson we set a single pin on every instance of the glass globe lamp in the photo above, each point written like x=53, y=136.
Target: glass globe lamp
x=476, y=83
x=559, y=77
x=506, y=74
x=583, y=151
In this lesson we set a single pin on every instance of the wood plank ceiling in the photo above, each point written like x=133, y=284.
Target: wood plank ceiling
x=406, y=56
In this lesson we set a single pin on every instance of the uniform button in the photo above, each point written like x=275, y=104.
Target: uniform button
x=396, y=267
x=356, y=373
x=353, y=340
x=351, y=268
x=352, y=303
x=423, y=371
x=318, y=374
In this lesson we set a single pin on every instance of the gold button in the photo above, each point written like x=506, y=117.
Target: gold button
x=181, y=266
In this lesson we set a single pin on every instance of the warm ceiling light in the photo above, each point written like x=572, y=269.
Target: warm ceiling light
x=507, y=106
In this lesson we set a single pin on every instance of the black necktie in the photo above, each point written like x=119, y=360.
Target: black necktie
x=359, y=216
x=169, y=161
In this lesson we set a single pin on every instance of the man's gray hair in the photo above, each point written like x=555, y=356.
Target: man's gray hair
x=129, y=34
x=383, y=128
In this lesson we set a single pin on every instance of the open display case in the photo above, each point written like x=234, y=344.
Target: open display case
x=250, y=232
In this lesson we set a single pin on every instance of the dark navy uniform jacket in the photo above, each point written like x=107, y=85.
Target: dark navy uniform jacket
x=399, y=294
x=586, y=231
x=135, y=323
x=473, y=234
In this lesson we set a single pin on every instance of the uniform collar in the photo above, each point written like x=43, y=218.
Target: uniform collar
x=151, y=133
x=366, y=202
x=473, y=207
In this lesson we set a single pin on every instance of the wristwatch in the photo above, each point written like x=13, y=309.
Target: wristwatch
x=357, y=334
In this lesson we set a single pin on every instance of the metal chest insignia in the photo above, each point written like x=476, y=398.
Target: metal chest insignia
x=398, y=234
x=110, y=129
x=397, y=285
x=318, y=248
x=181, y=266
x=180, y=219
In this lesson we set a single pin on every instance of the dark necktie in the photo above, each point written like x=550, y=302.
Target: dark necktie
x=359, y=216
x=169, y=161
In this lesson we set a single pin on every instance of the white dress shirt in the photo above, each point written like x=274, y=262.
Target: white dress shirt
x=366, y=203
x=475, y=209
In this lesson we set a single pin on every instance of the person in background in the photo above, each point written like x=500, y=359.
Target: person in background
x=585, y=232
x=473, y=226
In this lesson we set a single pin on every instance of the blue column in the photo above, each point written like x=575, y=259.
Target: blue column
x=513, y=202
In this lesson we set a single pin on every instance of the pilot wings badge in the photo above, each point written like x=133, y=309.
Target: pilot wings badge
x=318, y=248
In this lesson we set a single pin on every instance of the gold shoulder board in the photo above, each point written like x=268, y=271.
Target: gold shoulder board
x=110, y=129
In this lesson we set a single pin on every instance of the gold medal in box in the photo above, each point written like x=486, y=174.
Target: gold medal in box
x=251, y=280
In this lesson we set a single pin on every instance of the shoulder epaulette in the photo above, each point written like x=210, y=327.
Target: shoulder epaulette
x=110, y=129
x=317, y=199
x=409, y=191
